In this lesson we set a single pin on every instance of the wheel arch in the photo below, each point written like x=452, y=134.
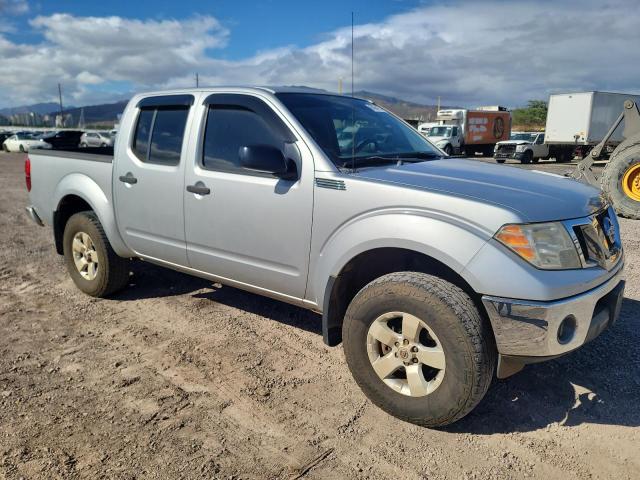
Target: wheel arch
x=76, y=193
x=371, y=264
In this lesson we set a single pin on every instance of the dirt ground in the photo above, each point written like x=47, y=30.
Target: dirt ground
x=179, y=378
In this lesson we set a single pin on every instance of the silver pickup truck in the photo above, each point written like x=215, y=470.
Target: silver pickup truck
x=435, y=273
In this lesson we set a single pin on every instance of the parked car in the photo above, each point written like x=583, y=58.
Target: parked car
x=4, y=136
x=397, y=247
x=63, y=139
x=96, y=139
x=526, y=147
x=23, y=142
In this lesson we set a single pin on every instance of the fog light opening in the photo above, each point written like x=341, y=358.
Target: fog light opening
x=567, y=329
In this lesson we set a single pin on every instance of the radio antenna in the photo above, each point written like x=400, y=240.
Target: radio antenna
x=353, y=109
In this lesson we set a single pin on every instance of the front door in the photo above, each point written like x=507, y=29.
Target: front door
x=244, y=226
x=148, y=180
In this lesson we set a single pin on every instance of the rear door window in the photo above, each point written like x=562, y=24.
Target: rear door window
x=159, y=135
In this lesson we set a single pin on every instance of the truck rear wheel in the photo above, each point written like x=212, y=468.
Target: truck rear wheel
x=93, y=265
x=418, y=348
x=621, y=181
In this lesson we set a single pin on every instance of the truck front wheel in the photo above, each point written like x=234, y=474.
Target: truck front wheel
x=418, y=348
x=621, y=181
x=527, y=157
x=93, y=265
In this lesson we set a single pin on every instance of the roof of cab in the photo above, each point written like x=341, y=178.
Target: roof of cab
x=238, y=88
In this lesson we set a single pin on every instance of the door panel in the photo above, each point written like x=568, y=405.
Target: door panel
x=251, y=228
x=148, y=185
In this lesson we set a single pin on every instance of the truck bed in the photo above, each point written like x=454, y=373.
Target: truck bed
x=55, y=171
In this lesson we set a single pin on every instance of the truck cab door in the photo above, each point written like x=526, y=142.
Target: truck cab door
x=539, y=148
x=455, y=137
x=244, y=226
x=148, y=178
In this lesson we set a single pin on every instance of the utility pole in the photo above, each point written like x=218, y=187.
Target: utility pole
x=438, y=102
x=197, y=80
x=60, y=98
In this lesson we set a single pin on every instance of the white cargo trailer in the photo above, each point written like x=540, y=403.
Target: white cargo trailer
x=579, y=121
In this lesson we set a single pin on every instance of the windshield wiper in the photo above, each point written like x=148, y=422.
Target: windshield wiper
x=397, y=158
x=418, y=155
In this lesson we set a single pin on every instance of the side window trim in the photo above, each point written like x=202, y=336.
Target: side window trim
x=134, y=139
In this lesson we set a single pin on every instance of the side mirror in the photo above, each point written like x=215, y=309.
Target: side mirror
x=267, y=159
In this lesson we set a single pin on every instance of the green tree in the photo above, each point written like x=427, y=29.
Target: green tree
x=534, y=115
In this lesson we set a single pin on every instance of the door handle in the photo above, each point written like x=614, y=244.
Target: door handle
x=199, y=189
x=128, y=178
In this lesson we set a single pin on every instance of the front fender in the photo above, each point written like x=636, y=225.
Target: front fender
x=451, y=240
x=86, y=188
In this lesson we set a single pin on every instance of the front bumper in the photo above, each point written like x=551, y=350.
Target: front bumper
x=511, y=155
x=532, y=331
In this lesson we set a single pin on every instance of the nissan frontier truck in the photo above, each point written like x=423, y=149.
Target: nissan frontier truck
x=436, y=274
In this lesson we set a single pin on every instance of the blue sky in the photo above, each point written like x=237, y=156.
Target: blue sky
x=467, y=52
x=256, y=25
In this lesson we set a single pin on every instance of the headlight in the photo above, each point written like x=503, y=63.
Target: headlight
x=495, y=149
x=521, y=148
x=544, y=245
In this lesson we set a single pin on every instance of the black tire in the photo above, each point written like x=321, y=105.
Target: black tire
x=500, y=160
x=83, y=145
x=535, y=159
x=527, y=157
x=447, y=149
x=612, y=178
x=564, y=156
x=466, y=340
x=112, y=272
x=21, y=148
x=103, y=145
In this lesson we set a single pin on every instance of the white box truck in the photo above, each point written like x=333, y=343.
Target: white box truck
x=576, y=122
x=600, y=126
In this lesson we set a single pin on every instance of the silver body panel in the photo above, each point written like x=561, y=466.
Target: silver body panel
x=286, y=239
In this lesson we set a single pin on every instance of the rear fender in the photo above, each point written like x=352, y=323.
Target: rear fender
x=87, y=189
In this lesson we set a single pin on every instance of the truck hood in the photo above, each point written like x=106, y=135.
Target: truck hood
x=533, y=195
x=514, y=142
x=437, y=139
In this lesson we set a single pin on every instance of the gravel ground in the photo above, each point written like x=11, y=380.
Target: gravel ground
x=179, y=378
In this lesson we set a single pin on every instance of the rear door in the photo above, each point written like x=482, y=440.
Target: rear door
x=148, y=179
x=249, y=227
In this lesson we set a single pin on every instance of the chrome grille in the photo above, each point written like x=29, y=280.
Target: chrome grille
x=507, y=148
x=597, y=238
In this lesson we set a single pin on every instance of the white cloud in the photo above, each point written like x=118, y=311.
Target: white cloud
x=14, y=7
x=468, y=52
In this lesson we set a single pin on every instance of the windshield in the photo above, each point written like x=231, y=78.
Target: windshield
x=440, y=132
x=350, y=128
x=528, y=137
